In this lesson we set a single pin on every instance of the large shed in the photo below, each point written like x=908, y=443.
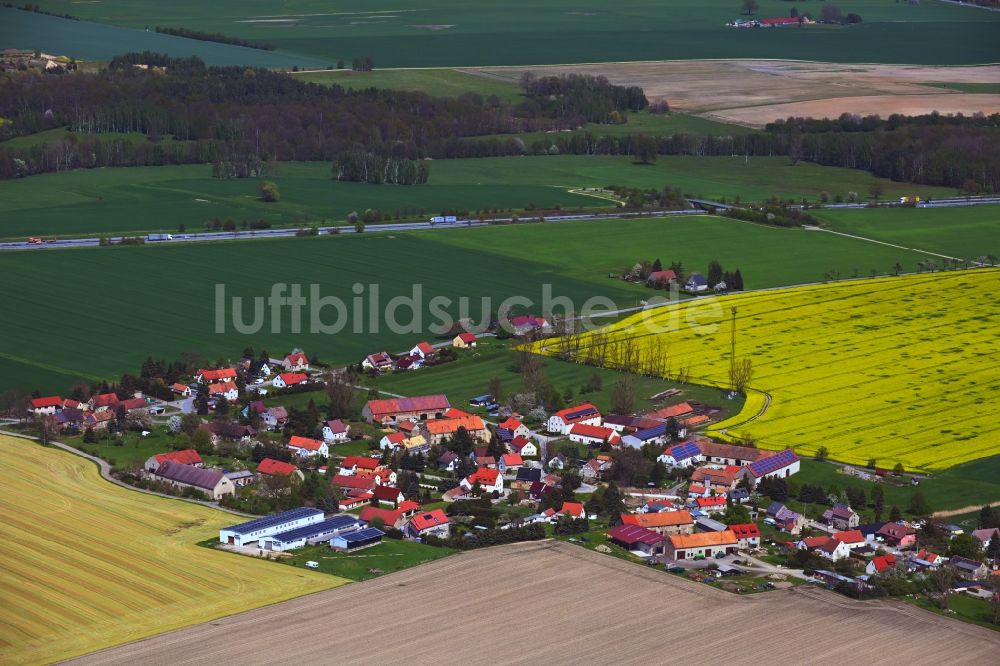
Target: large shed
x=244, y=533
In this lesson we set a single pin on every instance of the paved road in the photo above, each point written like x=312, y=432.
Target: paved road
x=287, y=233
x=105, y=470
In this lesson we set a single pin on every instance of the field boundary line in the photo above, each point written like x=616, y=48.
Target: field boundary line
x=105, y=470
x=898, y=247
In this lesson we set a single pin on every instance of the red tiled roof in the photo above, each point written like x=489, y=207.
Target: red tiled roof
x=389, y=516
x=215, y=375
x=591, y=410
x=305, y=443
x=592, y=431
x=512, y=459
x=718, y=500
x=448, y=426
x=179, y=388
x=784, y=20
x=361, y=462
x=185, y=457
x=104, y=400
x=661, y=519
x=214, y=389
x=574, y=509
x=292, y=378
x=633, y=534
x=416, y=404
x=671, y=411
x=276, y=467
x=702, y=539
x=408, y=505
x=745, y=530
x=429, y=519
x=49, y=401
x=297, y=358
x=389, y=493
x=850, y=536
x=884, y=562
x=425, y=348
x=511, y=424
x=485, y=477
x=354, y=482
x=133, y=403
x=467, y=337
x=456, y=413
x=662, y=276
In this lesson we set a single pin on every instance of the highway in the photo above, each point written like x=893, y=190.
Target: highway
x=347, y=229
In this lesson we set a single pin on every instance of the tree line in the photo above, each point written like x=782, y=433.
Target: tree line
x=214, y=37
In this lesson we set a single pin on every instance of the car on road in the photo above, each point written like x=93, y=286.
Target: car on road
x=34, y=240
x=312, y=564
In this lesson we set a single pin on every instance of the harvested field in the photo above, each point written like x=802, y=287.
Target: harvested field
x=732, y=90
x=592, y=607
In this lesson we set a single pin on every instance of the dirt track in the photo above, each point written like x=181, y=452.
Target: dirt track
x=558, y=603
x=752, y=91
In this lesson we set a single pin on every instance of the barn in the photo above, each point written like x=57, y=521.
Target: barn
x=244, y=533
x=351, y=541
x=311, y=534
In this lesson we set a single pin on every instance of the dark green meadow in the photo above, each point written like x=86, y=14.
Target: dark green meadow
x=98, y=312
x=451, y=33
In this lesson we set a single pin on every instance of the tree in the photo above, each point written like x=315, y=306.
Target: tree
x=894, y=513
x=740, y=375
x=201, y=441
x=268, y=192
x=919, y=505
x=831, y=14
x=822, y=453
x=623, y=396
x=898, y=469
x=989, y=517
x=46, y=427
x=714, y=272
x=871, y=463
x=875, y=189
x=965, y=545
x=88, y=436
x=613, y=501
x=342, y=394
x=359, y=227
x=494, y=387
x=939, y=585
x=878, y=502
x=645, y=149
x=736, y=514
x=748, y=7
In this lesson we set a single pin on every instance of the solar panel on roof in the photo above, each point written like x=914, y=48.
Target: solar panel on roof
x=273, y=519
x=650, y=433
x=363, y=535
x=581, y=412
x=772, y=463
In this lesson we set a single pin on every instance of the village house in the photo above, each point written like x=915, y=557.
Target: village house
x=272, y=467
x=831, y=548
x=664, y=522
x=241, y=478
x=509, y=463
x=626, y=424
x=286, y=379
x=422, y=350
x=683, y=455
x=564, y=419
x=638, y=540
x=274, y=418
x=524, y=446
x=853, y=539
x=224, y=391
x=986, y=535
x=348, y=483
x=212, y=482
x=521, y=325
x=785, y=519
x=394, y=518
x=747, y=534
x=434, y=523
x=594, y=469
x=677, y=411
x=711, y=504
x=98, y=420
x=182, y=390
x=841, y=517
x=706, y=544
x=727, y=454
x=378, y=362
x=925, y=559
x=593, y=435
x=525, y=478
x=295, y=362
x=780, y=465
x=720, y=479
x=970, y=569
x=490, y=480
x=223, y=375
x=184, y=457
x=515, y=427
x=448, y=461
x=419, y=408
x=306, y=447
x=661, y=279
x=696, y=283
x=881, y=564
x=388, y=495
x=233, y=432
x=336, y=431
x=898, y=534
x=464, y=341
x=103, y=402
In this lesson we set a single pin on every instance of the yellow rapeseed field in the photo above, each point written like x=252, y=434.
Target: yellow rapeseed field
x=903, y=369
x=87, y=564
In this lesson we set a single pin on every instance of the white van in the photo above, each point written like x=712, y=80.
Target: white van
x=311, y=564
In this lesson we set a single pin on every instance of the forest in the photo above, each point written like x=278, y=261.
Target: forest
x=242, y=118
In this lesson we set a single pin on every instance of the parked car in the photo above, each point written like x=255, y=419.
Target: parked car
x=312, y=564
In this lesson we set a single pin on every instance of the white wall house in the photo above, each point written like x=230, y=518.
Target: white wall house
x=244, y=533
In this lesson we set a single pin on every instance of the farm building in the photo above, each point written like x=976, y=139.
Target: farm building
x=378, y=362
x=48, y=405
x=311, y=534
x=464, y=341
x=592, y=435
x=240, y=478
x=103, y=402
x=244, y=533
x=781, y=465
x=351, y=541
x=212, y=482
x=218, y=375
x=185, y=457
x=682, y=455
x=727, y=454
x=524, y=324
x=422, y=350
x=419, y=408
x=704, y=544
x=286, y=379
x=625, y=424
x=664, y=522
x=671, y=412
x=748, y=534
x=655, y=435
x=272, y=467
x=336, y=431
x=638, y=540
x=446, y=428
x=563, y=420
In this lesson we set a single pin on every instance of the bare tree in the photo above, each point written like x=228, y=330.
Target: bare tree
x=748, y=7
x=46, y=427
x=740, y=374
x=623, y=396
x=939, y=585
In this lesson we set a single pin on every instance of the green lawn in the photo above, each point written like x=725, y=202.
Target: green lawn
x=160, y=199
x=389, y=556
x=161, y=300
x=450, y=33
x=468, y=377
x=968, y=232
x=963, y=607
x=647, y=123
x=971, y=484
x=989, y=88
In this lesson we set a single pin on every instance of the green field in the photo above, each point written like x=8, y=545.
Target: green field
x=389, y=556
x=96, y=41
x=122, y=304
x=448, y=33
x=969, y=484
x=468, y=377
x=968, y=232
x=434, y=82
x=143, y=199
